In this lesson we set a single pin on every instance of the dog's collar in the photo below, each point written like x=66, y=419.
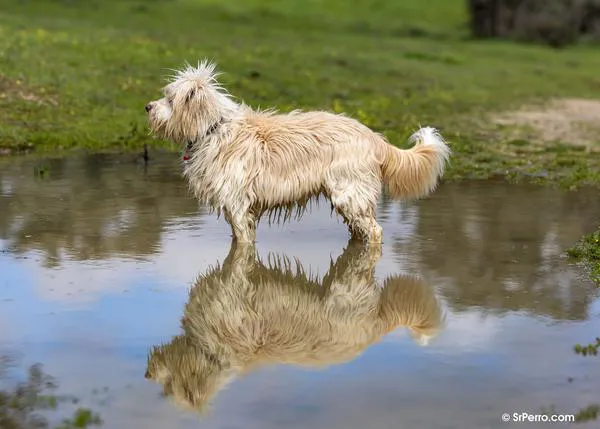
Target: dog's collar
x=209, y=131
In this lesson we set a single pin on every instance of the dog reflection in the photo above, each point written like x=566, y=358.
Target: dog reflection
x=248, y=313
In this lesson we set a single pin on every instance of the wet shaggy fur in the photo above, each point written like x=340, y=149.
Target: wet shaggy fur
x=246, y=163
x=248, y=313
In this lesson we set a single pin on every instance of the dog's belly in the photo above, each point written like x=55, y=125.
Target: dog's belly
x=273, y=191
x=318, y=352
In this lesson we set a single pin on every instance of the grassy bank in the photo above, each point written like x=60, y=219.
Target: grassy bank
x=76, y=74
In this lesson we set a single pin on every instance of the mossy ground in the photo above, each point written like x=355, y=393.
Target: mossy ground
x=76, y=74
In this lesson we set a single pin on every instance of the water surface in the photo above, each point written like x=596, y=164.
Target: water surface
x=98, y=254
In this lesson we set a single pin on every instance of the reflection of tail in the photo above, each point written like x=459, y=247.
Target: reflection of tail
x=409, y=302
x=247, y=313
x=414, y=173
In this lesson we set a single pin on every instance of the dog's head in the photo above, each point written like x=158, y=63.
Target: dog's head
x=192, y=104
x=186, y=373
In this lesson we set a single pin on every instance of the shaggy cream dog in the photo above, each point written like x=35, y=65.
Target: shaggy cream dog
x=247, y=313
x=245, y=163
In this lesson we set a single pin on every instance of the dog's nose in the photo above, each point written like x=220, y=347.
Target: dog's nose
x=148, y=107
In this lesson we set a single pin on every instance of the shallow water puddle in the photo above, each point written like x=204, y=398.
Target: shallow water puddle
x=98, y=254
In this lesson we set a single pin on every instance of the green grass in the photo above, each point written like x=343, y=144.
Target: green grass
x=589, y=349
x=76, y=74
x=588, y=251
x=588, y=413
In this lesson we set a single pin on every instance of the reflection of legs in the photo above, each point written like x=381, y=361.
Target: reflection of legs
x=243, y=225
x=358, y=259
x=350, y=281
x=241, y=258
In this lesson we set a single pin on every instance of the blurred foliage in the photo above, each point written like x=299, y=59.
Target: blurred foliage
x=22, y=406
x=588, y=413
x=554, y=22
x=589, y=349
x=588, y=250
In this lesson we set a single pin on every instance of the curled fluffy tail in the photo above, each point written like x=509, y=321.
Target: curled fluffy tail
x=414, y=173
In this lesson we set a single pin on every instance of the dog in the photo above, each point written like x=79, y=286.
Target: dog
x=248, y=313
x=246, y=163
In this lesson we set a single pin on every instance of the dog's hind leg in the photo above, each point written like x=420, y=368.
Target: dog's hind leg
x=240, y=260
x=354, y=191
x=243, y=225
x=366, y=226
x=358, y=214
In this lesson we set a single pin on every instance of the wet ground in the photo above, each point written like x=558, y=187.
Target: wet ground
x=98, y=254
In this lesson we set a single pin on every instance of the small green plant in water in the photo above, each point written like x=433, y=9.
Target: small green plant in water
x=83, y=418
x=20, y=405
x=588, y=250
x=588, y=350
x=41, y=171
x=588, y=413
